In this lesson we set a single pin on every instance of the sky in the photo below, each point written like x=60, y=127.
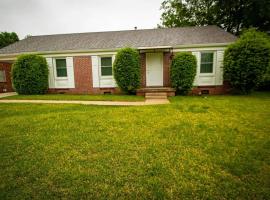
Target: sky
x=42, y=17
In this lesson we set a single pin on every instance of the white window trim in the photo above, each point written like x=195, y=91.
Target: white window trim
x=99, y=68
x=4, y=76
x=214, y=63
x=55, y=71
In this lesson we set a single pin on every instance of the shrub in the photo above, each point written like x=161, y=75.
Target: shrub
x=30, y=74
x=126, y=70
x=246, y=61
x=265, y=83
x=183, y=72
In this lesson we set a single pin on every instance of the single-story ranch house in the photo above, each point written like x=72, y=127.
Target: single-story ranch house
x=82, y=62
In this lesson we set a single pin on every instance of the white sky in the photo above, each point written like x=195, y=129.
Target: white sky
x=41, y=17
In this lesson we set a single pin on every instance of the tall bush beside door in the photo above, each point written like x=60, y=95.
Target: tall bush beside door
x=183, y=72
x=30, y=74
x=126, y=70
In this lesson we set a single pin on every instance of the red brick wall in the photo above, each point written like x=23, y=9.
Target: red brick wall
x=213, y=90
x=83, y=74
x=83, y=79
x=166, y=68
x=143, y=69
x=7, y=85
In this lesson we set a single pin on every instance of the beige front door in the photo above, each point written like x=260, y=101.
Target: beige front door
x=154, y=69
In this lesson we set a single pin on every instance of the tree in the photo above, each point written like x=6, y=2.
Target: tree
x=246, y=61
x=177, y=13
x=126, y=70
x=231, y=15
x=183, y=72
x=30, y=74
x=8, y=38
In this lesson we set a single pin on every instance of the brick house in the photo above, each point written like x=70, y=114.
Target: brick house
x=82, y=62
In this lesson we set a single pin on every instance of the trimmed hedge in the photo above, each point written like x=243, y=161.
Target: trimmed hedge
x=183, y=72
x=246, y=61
x=30, y=74
x=126, y=70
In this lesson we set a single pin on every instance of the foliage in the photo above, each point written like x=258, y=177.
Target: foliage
x=187, y=13
x=265, y=84
x=30, y=74
x=183, y=72
x=126, y=70
x=193, y=148
x=246, y=61
x=8, y=38
x=232, y=15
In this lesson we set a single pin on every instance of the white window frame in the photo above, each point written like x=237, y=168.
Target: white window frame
x=214, y=63
x=4, y=76
x=105, y=56
x=55, y=70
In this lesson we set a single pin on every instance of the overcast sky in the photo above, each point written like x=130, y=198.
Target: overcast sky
x=41, y=17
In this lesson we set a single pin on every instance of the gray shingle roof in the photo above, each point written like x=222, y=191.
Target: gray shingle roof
x=118, y=39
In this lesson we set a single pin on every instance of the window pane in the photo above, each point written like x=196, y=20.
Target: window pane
x=2, y=76
x=106, y=61
x=61, y=68
x=207, y=68
x=207, y=57
x=106, y=71
x=207, y=62
x=61, y=72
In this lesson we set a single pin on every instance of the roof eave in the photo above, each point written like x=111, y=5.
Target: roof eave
x=13, y=56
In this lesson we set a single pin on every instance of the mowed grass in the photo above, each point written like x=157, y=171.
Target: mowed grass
x=106, y=97
x=195, y=148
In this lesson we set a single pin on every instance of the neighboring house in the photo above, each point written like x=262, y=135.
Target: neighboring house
x=82, y=62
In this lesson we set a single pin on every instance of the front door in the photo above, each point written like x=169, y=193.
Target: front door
x=154, y=69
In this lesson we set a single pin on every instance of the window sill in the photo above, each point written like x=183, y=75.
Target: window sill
x=106, y=77
x=61, y=78
x=206, y=74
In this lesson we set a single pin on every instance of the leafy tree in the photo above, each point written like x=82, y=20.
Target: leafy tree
x=232, y=15
x=183, y=72
x=246, y=61
x=187, y=13
x=7, y=39
x=30, y=74
x=126, y=70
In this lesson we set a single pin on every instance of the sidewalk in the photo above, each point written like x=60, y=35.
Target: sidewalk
x=7, y=94
x=105, y=103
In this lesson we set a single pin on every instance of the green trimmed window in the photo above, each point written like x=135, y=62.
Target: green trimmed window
x=2, y=76
x=106, y=66
x=61, y=67
x=207, y=60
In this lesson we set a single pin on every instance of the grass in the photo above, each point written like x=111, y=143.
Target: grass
x=107, y=97
x=195, y=148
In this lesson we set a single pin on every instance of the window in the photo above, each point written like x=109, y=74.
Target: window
x=2, y=76
x=106, y=66
x=61, y=67
x=207, y=62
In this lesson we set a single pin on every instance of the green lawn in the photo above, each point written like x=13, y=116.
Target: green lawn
x=194, y=148
x=107, y=97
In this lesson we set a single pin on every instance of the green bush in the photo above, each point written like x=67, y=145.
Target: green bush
x=246, y=61
x=265, y=84
x=30, y=74
x=183, y=72
x=126, y=70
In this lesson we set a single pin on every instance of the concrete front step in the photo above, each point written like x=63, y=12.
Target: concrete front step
x=155, y=97
x=155, y=94
x=156, y=90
